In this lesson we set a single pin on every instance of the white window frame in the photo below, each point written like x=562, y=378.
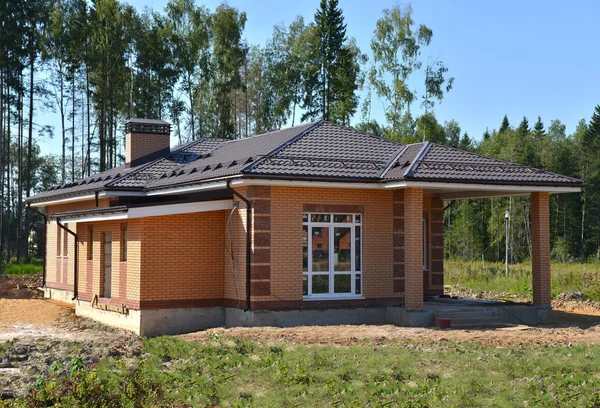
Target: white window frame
x=331, y=225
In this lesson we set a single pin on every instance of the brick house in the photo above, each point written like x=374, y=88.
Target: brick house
x=314, y=224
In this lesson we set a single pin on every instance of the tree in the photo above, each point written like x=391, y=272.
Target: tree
x=397, y=45
x=465, y=142
x=452, y=133
x=190, y=31
x=331, y=76
x=228, y=57
x=523, y=128
x=505, y=125
x=538, y=130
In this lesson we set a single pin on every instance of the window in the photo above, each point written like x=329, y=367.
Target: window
x=66, y=241
x=331, y=250
x=123, y=242
x=59, y=233
x=90, y=248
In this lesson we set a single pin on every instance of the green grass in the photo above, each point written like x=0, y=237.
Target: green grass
x=582, y=277
x=240, y=373
x=21, y=269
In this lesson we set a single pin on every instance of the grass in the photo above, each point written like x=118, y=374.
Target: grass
x=582, y=277
x=237, y=372
x=21, y=269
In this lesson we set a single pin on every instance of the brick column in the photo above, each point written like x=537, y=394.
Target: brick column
x=540, y=248
x=413, y=253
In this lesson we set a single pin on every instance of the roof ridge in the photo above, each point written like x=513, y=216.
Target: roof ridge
x=270, y=132
x=282, y=146
x=411, y=169
x=364, y=133
x=506, y=162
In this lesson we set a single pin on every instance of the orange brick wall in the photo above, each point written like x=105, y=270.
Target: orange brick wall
x=60, y=269
x=182, y=258
x=540, y=245
x=286, y=239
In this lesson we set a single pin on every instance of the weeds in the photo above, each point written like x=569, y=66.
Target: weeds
x=21, y=269
x=566, y=278
x=242, y=373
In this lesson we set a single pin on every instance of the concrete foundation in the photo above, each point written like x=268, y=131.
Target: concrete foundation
x=156, y=322
x=61, y=295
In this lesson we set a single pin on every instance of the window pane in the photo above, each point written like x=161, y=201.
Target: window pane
x=305, y=285
x=357, y=254
x=342, y=283
x=357, y=281
x=320, y=284
x=305, y=248
x=342, y=218
x=320, y=249
x=341, y=249
x=320, y=217
x=304, y=217
x=357, y=218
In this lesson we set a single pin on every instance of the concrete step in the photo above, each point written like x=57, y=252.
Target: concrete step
x=481, y=326
x=470, y=315
x=474, y=321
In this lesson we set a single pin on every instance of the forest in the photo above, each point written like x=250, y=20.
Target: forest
x=94, y=64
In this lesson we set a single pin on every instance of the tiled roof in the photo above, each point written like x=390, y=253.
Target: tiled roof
x=312, y=151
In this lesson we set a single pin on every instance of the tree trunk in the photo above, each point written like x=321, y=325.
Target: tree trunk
x=73, y=127
x=29, y=144
x=62, y=126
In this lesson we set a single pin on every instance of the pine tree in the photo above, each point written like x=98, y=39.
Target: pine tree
x=332, y=76
x=523, y=128
x=465, y=142
x=539, y=133
x=505, y=124
x=486, y=134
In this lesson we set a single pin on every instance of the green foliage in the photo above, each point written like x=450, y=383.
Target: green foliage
x=565, y=278
x=331, y=74
x=239, y=372
x=397, y=45
x=21, y=269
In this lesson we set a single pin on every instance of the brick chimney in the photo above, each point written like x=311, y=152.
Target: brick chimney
x=146, y=140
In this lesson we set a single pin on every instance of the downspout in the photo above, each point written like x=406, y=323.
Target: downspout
x=75, y=274
x=248, y=242
x=45, y=237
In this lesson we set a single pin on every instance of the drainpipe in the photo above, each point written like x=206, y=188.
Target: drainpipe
x=76, y=256
x=248, y=242
x=45, y=228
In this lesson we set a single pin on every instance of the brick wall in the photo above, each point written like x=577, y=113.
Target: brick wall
x=60, y=269
x=286, y=209
x=434, y=277
x=413, y=247
x=138, y=145
x=182, y=259
x=540, y=245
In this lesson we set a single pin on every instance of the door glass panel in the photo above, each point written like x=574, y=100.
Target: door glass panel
x=305, y=248
x=342, y=284
x=342, y=218
x=341, y=249
x=305, y=285
x=320, y=284
x=320, y=249
x=357, y=254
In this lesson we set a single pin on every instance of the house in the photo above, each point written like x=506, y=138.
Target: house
x=314, y=224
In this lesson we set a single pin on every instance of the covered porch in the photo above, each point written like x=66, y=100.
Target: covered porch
x=420, y=270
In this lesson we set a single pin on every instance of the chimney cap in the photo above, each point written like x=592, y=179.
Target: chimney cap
x=155, y=126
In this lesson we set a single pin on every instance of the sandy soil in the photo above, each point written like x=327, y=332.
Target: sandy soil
x=20, y=287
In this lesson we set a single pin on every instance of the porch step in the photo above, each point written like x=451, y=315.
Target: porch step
x=461, y=318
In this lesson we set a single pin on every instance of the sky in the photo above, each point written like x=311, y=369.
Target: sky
x=520, y=58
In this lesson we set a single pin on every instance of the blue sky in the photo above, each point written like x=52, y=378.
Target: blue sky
x=522, y=58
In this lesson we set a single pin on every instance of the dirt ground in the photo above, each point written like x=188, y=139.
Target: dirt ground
x=35, y=332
